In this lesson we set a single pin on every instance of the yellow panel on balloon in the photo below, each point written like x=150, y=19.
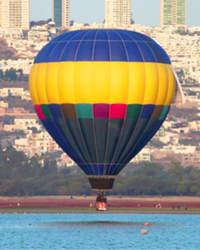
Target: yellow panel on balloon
x=83, y=82
x=52, y=83
x=101, y=82
x=119, y=82
x=163, y=84
x=171, y=86
x=32, y=84
x=136, y=83
x=66, y=82
x=151, y=83
x=41, y=83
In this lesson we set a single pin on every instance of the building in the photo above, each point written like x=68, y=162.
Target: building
x=15, y=14
x=191, y=159
x=118, y=12
x=61, y=13
x=173, y=13
x=143, y=155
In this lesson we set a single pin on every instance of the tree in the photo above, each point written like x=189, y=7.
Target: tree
x=175, y=171
x=62, y=190
x=21, y=74
x=34, y=130
x=181, y=189
x=1, y=74
x=194, y=190
x=157, y=143
x=49, y=167
x=11, y=75
x=118, y=188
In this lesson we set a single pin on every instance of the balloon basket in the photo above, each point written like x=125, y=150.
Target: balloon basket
x=101, y=201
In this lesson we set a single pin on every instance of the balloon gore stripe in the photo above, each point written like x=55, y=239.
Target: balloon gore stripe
x=106, y=111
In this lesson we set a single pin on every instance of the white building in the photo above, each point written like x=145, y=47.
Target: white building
x=143, y=155
x=3, y=104
x=26, y=123
x=118, y=12
x=179, y=149
x=173, y=13
x=66, y=160
x=15, y=14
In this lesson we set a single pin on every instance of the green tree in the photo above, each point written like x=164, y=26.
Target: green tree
x=157, y=143
x=21, y=74
x=194, y=190
x=175, y=171
x=1, y=74
x=62, y=190
x=11, y=75
x=181, y=189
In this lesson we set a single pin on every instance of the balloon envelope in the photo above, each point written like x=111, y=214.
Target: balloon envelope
x=102, y=95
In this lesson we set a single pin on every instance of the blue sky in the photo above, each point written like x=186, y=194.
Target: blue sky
x=145, y=12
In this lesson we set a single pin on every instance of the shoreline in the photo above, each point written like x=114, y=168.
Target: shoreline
x=116, y=205
x=93, y=211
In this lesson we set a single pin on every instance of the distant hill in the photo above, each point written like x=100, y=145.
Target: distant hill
x=6, y=52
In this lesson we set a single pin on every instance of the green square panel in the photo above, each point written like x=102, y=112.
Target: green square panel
x=164, y=112
x=133, y=111
x=84, y=110
x=46, y=111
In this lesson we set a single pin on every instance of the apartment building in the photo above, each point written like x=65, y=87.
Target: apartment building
x=118, y=12
x=15, y=14
x=173, y=13
x=61, y=13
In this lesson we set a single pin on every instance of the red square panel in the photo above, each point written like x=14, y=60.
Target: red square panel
x=39, y=112
x=118, y=111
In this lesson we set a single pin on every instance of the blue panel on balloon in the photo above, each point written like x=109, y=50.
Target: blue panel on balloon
x=110, y=169
x=79, y=36
x=56, y=53
x=147, y=111
x=85, y=51
x=125, y=35
x=56, y=111
x=147, y=52
x=95, y=169
x=55, y=133
x=102, y=35
x=91, y=35
x=91, y=169
x=101, y=51
x=101, y=169
x=135, y=36
x=118, y=53
x=133, y=51
x=114, y=35
x=70, y=51
x=43, y=56
x=159, y=53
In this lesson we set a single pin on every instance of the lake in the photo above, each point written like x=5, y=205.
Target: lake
x=99, y=231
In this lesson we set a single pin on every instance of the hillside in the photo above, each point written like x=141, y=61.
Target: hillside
x=5, y=51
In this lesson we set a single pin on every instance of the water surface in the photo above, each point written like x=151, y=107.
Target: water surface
x=99, y=231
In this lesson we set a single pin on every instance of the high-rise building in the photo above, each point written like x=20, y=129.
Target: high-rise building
x=61, y=12
x=173, y=13
x=15, y=14
x=118, y=12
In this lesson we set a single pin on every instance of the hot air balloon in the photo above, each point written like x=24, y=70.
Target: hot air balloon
x=102, y=95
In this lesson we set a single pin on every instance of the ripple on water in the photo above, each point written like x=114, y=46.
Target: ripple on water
x=99, y=231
